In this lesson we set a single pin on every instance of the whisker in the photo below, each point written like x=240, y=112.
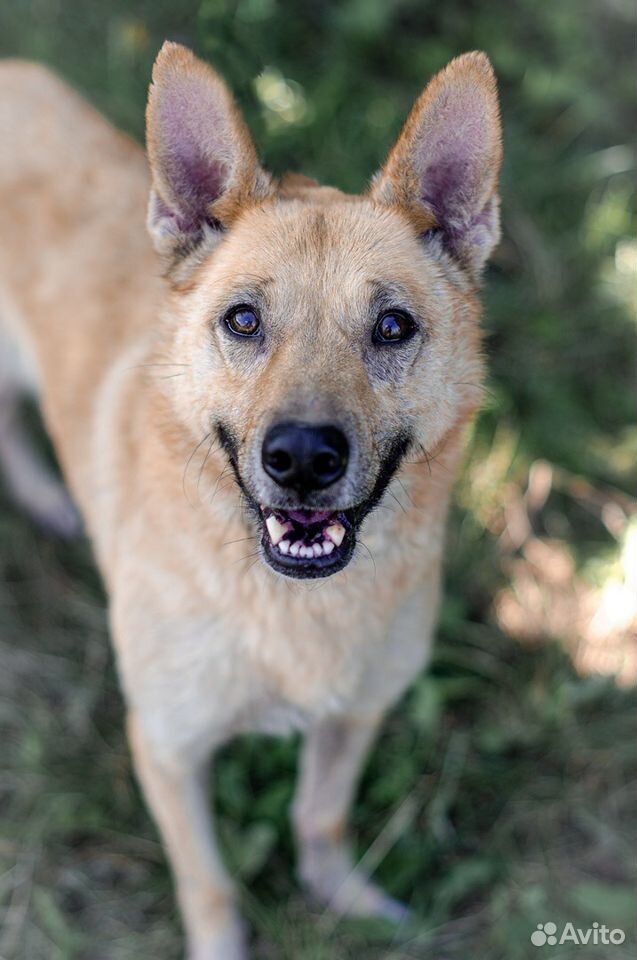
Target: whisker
x=476, y=386
x=248, y=556
x=419, y=463
x=227, y=481
x=371, y=556
x=428, y=459
x=188, y=462
x=405, y=491
x=221, y=477
x=439, y=463
x=392, y=494
x=238, y=540
x=205, y=461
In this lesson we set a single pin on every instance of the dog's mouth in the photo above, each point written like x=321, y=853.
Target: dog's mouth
x=307, y=543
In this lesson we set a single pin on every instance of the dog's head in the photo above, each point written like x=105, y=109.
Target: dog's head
x=323, y=335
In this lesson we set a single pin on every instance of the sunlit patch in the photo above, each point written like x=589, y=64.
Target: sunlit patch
x=283, y=100
x=592, y=609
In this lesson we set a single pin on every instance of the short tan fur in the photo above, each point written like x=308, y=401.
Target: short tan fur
x=170, y=364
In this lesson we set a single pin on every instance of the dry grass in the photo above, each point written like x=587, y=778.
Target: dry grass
x=516, y=751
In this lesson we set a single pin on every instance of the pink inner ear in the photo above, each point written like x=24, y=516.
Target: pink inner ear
x=452, y=159
x=193, y=149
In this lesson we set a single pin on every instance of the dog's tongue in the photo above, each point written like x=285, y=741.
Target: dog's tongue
x=305, y=533
x=308, y=516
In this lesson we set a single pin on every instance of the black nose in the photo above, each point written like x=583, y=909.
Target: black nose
x=304, y=457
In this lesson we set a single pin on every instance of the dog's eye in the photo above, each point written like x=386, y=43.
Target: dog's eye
x=243, y=322
x=393, y=326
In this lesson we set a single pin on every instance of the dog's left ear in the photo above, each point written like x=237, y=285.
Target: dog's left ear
x=204, y=165
x=444, y=168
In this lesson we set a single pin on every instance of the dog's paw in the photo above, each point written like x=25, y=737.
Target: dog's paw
x=358, y=896
x=227, y=942
x=331, y=880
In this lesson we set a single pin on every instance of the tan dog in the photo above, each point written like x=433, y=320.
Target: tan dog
x=233, y=410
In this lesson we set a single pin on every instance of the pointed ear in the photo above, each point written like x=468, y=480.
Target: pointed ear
x=203, y=163
x=444, y=167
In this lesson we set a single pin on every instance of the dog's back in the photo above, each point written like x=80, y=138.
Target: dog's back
x=73, y=248
x=77, y=272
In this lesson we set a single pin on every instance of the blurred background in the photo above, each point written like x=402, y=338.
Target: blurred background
x=504, y=787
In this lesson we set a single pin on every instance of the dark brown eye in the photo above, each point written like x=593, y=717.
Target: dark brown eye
x=243, y=322
x=393, y=327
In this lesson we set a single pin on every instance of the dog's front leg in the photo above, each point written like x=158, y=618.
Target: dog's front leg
x=332, y=760
x=176, y=790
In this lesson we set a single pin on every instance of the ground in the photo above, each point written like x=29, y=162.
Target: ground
x=501, y=794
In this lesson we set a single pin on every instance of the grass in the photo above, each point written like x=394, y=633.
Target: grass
x=503, y=785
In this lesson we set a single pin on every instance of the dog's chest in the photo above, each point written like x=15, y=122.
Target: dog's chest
x=303, y=667
x=206, y=656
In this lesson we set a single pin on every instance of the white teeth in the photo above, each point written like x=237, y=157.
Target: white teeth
x=333, y=537
x=275, y=529
x=299, y=549
x=336, y=532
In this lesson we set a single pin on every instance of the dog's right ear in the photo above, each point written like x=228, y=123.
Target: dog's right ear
x=203, y=162
x=443, y=170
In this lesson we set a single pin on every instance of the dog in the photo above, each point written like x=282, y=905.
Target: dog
x=259, y=391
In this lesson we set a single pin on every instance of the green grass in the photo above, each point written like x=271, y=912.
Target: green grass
x=504, y=780
x=503, y=787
